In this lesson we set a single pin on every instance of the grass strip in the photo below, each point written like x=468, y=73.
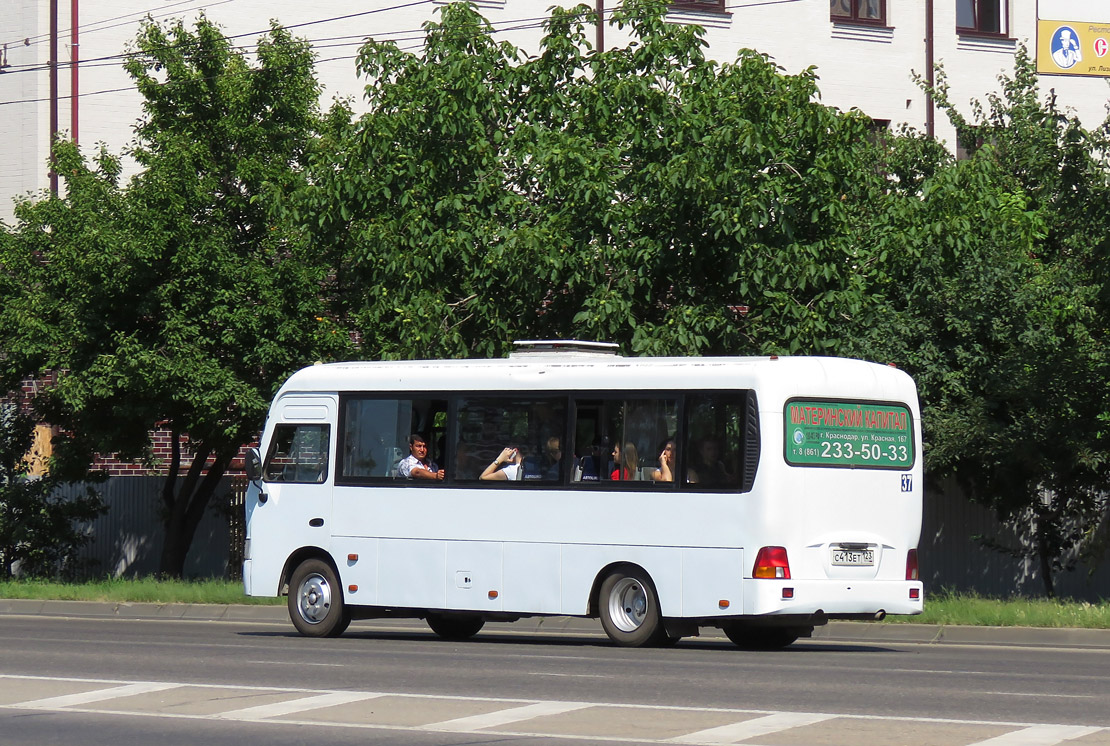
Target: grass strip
x=144, y=590
x=961, y=608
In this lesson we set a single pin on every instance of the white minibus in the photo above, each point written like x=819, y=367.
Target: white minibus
x=760, y=495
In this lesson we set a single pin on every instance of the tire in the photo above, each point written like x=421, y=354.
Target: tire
x=761, y=638
x=629, y=609
x=316, y=600
x=455, y=626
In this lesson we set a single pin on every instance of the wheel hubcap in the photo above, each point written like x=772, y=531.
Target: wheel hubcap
x=314, y=599
x=628, y=605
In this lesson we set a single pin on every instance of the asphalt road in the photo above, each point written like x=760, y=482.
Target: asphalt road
x=87, y=674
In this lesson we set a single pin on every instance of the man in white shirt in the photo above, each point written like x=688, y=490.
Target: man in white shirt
x=417, y=465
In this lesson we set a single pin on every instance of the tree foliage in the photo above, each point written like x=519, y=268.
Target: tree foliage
x=994, y=298
x=175, y=300
x=644, y=195
x=40, y=531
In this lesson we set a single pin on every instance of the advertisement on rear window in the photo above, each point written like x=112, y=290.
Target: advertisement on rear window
x=843, y=433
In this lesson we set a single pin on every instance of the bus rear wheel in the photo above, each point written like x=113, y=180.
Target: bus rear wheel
x=761, y=638
x=629, y=609
x=316, y=601
x=455, y=626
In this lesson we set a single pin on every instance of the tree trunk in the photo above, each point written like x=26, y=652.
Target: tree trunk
x=186, y=509
x=1043, y=555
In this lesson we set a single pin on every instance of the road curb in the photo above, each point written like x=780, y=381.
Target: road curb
x=872, y=632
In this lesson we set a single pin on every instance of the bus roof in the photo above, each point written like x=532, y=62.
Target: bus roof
x=774, y=378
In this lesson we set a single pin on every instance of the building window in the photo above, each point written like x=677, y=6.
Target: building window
x=986, y=17
x=711, y=6
x=859, y=11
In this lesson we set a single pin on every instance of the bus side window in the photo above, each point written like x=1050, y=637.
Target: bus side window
x=533, y=426
x=716, y=434
x=621, y=440
x=374, y=434
x=298, y=453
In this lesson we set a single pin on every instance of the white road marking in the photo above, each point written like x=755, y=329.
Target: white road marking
x=1039, y=695
x=96, y=695
x=298, y=665
x=1039, y=735
x=277, y=709
x=504, y=717
x=734, y=732
x=760, y=722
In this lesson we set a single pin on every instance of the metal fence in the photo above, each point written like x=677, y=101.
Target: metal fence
x=951, y=558
x=127, y=540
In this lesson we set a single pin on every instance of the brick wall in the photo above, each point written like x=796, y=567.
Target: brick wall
x=161, y=440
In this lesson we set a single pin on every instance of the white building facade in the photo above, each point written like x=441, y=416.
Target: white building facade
x=866, y=53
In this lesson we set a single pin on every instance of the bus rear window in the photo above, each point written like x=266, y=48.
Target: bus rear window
x=827, y=432
x=722, y=440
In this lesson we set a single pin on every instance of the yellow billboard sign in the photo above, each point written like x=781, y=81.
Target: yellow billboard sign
x=1073, y=48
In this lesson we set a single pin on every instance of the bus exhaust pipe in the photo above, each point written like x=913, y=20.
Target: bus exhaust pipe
x=880, y=615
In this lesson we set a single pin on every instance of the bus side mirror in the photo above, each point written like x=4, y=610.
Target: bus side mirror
x=252, y=464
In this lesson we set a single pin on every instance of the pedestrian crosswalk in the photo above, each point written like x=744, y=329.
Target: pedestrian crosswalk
x=554, y=719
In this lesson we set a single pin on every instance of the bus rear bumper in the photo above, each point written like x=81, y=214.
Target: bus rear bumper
x=835, y=599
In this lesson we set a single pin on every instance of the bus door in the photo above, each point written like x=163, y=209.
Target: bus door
x=294, y=507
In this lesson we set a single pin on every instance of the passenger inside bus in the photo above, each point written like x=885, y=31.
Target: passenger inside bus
x=545, y=466
x=505, y=467
x=665, y=472
x=417, y=465
x=708, y=469
x=627, y=462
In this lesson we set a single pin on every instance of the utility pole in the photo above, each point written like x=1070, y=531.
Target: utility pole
x=53, y=93
x=930, y=75
x=74, y=45
x=600, y=45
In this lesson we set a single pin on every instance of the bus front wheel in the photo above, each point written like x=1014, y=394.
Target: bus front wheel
x=629, y=609
x=316, y=601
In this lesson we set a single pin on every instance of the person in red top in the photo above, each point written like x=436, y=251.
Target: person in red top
x=627, y=462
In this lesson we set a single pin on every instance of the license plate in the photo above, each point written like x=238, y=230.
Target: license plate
x=853, y=557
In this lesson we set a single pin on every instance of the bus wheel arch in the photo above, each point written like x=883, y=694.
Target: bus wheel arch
x=294, y=560
x=315, y=602
x=625, y=599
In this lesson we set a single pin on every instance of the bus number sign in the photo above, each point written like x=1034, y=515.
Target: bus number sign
x=836, y=433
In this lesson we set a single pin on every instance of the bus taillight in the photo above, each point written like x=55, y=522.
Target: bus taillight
x=771, y=562
x=911, y=565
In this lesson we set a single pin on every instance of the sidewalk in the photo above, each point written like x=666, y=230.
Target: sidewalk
x=834, y=631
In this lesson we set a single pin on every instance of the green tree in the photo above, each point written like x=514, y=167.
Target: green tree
x=643, y=195
x=40, y=531
x=176, y=301
x=994, y=298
